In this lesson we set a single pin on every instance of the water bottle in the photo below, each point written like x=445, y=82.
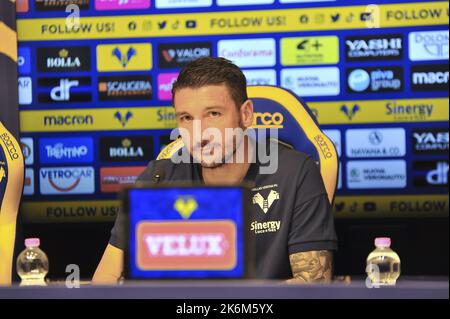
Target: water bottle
x=383, y=264
x=32, y=264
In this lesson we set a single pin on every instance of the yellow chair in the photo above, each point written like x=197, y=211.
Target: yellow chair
x=276, y=107
x=11, y=187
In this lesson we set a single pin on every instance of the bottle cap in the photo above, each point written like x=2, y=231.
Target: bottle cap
x=383, y=242
x=32, y=242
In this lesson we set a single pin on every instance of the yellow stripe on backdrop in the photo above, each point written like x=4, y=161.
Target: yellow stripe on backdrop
x=260, y=21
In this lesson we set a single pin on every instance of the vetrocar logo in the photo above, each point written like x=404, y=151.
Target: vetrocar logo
x=248, y=52
x=182, y=245
x=67, y=180
x=66, y=150
x=429, y=77
x=432, y=173
x=173, y=55
x=58, y=59
x=380, y=47
x=25, y=90
x=126, y=149
x=125, y=87
x=428, y=45
x=386, y=142
x=385, y=79
x=376, y=174
x=431, y=141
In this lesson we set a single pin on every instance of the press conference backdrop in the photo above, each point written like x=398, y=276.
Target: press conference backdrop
x=95, y=98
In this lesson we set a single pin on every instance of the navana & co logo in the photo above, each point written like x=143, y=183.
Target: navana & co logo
x=376, y=142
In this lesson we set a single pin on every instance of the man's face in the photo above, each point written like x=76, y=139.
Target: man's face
x=202, y=111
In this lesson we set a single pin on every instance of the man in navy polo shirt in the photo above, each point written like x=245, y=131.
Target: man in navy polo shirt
x=291, y=219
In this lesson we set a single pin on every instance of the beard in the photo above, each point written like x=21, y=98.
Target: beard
x=227, y=156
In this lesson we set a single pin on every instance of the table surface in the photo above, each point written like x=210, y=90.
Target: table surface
x=435, y=288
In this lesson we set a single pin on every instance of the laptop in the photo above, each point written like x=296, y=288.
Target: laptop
x=187, y=232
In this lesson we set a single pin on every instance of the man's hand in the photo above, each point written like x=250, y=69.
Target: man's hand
x=311, y=267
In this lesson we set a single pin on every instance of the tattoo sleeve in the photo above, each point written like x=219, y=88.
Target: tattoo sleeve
x=311, y=267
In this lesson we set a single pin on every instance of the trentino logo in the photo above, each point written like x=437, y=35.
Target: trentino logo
x=66, y=150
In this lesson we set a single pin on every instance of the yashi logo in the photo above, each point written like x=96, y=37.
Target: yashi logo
x=123, y=118
x=124, y=57
x=268, y=120
x=350, y=112
x=186, y=245
x=185, y=206
x=266, y=203
x=433, y=141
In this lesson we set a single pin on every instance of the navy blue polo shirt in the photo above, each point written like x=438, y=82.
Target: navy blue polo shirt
x=290, y=211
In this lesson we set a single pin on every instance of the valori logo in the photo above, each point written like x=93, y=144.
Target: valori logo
x=189, y=245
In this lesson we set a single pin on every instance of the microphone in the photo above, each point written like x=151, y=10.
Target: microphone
x=158, y=174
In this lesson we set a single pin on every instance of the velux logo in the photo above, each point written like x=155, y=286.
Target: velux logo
x=192, y=245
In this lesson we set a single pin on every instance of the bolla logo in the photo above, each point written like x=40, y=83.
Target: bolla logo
x=186, y=245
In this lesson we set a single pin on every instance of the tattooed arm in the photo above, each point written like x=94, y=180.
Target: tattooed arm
x=311, y=267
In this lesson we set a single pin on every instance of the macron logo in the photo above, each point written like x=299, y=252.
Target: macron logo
x=186, y=245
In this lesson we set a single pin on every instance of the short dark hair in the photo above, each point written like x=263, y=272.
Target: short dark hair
x=213, y=71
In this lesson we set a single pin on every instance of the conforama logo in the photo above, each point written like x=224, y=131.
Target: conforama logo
x=186, y=245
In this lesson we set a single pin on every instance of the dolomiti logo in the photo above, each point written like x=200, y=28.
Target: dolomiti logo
x=193, y=245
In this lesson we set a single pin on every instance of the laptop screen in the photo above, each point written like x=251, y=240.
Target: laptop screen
x=186, y=232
